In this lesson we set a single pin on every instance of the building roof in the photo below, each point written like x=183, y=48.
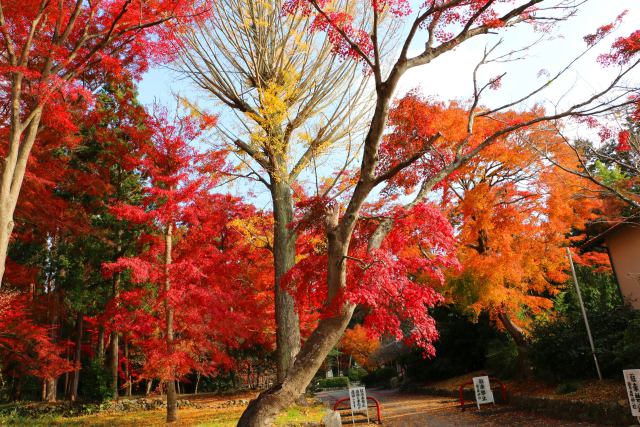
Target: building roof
x=627, y=222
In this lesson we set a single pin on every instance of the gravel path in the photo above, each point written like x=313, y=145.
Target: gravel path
x=401, y=410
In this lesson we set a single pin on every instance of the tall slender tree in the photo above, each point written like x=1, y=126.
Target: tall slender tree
x=292, y=102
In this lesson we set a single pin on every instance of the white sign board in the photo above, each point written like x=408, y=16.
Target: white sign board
x=632, y=380
x=358, y=401
x=483, y=390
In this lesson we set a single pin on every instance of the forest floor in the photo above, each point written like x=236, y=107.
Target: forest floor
x=211, y=411
x=398, y=409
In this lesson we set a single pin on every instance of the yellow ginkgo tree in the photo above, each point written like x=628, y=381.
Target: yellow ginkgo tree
x=290, y=102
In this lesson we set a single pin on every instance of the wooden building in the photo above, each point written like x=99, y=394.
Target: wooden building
x=623, y=243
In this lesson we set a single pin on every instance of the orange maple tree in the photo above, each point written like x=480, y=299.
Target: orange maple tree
x=515, y=214
x=358, y=343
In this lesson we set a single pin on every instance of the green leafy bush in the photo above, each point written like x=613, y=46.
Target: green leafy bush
x=95, y=383
x=335, y=382
x=221, y=383
x=357, y=374
x=560, y=349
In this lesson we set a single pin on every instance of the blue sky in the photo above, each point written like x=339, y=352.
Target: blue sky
x=449, y=77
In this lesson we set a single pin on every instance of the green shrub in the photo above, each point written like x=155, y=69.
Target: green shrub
x=221, y=383
x=356, y=374
x=560, y=348
x=95, y=382
x=629, y=348
x=380, y=377
x=335, y=382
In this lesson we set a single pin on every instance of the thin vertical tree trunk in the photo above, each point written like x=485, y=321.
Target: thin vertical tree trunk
x=66, y=390
x=288, y=324
x=52, y=382
x=172, y=404
x=100, y=349
x=78, y=355
x=115, y=348
x=127, y=373
x=114, y=360
x=197, y=382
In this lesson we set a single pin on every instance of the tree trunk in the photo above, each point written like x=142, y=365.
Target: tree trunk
x=127, y=373
x=284, y=252
x=149, y=385
x=197, y=382
x=14, y=167
x=339, y=230
x=52, y=385
x=115, y=348
x=66, y=391
x=268, y=404
x=100, y=349
x=523, y=364
x=172, y=404
x=114, y=359
x=78, y=355
x=6, y=227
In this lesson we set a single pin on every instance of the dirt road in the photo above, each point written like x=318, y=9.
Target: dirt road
x=401, y=410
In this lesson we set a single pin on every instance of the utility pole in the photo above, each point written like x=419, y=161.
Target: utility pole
x=584, y=314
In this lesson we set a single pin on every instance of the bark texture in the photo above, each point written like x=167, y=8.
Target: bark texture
x=284, y=251
x=21, y=140
x=269, y=403
x=172, y=398
x=51, y=389
x=100, y=348
x=78, y=355
x=113, y=359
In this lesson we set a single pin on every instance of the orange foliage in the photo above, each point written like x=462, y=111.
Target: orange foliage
x=359, y=344
x=514, y=213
